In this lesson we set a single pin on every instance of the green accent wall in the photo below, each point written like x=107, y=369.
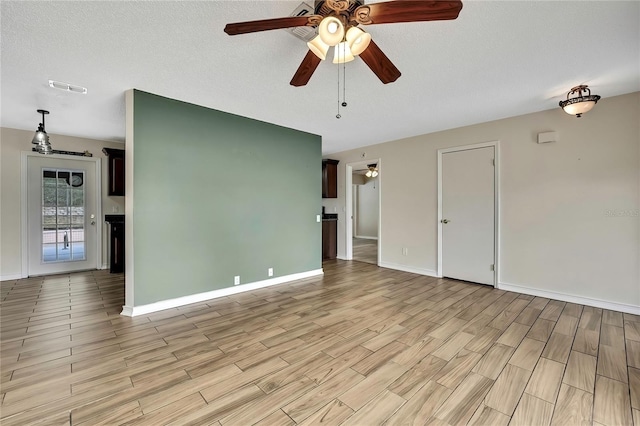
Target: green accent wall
x=218, y=195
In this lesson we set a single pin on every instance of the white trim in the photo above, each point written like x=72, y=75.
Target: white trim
x=496, y=208
x=24, y=222
x=132, y=311
x=348, y=229
x=10, y=277
x=580, y=300
x=104, y=266
x=362, y=237
x=412, y=269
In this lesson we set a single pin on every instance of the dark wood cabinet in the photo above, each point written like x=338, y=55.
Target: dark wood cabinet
x=329, y=239
x=116, y=171
x=330, y=178
x=116, y=241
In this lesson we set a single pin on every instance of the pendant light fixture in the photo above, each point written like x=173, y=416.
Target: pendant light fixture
x=41, y=139
x=583, y=102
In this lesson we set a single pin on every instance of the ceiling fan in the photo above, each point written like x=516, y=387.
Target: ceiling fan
x=338, y=23
x=371, y=171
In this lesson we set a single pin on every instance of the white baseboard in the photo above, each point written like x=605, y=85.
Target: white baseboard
x=132, y=311
x=406, y=268
x=10, y=277
x=580, y=300
x=104, y=266
x=364, y=237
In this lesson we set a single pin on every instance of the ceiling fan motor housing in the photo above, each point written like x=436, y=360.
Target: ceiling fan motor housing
x=337, y=7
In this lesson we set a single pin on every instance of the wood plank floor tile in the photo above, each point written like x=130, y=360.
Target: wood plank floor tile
x=455, y=371
x=507, y=389
x=612, y=318
x=586, y=341
x=464, y=400
x=377, y=410
x=513, y=335
x=541, y=329
x=277, y=418
x=611, y=404
x=376, y=382
x=332, y=414
x=527, y=354
x=634, y=386
x=485, y=415
x=633, y=353
x=494, y=361
x=581, y=371
x=574, y=407
x=632, y=330
x=546, y=379
x=636, y=417
x=612, y=363
x=421, y=405
x=558, y=347
x=532, y=411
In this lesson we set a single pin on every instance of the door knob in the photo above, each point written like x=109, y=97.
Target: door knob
x=444, y=221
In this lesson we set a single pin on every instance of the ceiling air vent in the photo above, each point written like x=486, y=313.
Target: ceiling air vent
x=303, y=33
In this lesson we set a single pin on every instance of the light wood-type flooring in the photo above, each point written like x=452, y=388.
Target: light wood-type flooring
x=361, y=345
x=365, y=250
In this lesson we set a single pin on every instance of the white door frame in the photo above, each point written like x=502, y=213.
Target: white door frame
x=24, y=222
x=496, y=198
x=348, y=230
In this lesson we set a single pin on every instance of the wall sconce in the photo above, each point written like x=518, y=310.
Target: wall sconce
x=583, y=101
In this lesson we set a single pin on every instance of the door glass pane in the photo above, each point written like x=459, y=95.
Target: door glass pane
x=63, y=217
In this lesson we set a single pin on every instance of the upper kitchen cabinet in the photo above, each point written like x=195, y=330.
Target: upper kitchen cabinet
x=330, y=178
x=116, y=170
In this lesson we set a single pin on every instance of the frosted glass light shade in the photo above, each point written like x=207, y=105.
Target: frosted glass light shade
x=331, y=30
x=342, y=53
x=579, y=108
x=318, y=47
x=358, y=40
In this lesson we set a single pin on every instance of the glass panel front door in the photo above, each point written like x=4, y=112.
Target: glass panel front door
x=63, y=215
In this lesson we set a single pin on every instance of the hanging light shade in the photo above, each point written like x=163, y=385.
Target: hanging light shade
x=373, y=171
x=318, y=47
x=358, y=40
x=342, y=53
x=41, y=138
x=331, y=30
x=582, y=102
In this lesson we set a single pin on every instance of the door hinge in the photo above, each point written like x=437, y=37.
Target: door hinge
x=492, y=268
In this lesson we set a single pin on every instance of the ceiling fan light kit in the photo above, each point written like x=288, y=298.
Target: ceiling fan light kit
x=583, y=102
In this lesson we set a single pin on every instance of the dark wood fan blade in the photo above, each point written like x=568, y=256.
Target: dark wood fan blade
x=380, y=64
x=271, y=24
x=407, y=11
x=305, y=70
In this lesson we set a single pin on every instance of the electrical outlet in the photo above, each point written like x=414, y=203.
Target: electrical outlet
x=270, y=272
x=236, y=280
x=318, y=218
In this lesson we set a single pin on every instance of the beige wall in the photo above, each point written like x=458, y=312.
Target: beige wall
x=12, y=143
x=568, y=210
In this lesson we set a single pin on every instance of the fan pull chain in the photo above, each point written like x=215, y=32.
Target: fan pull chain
x=338, y=116
x=344, y=84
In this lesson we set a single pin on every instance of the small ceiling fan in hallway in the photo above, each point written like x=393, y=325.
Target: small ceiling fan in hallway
x=338, y=23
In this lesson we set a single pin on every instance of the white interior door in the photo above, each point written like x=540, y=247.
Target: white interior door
x=62, y=210
x=468, y=215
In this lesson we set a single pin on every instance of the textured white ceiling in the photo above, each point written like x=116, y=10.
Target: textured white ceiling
x=498, y=59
